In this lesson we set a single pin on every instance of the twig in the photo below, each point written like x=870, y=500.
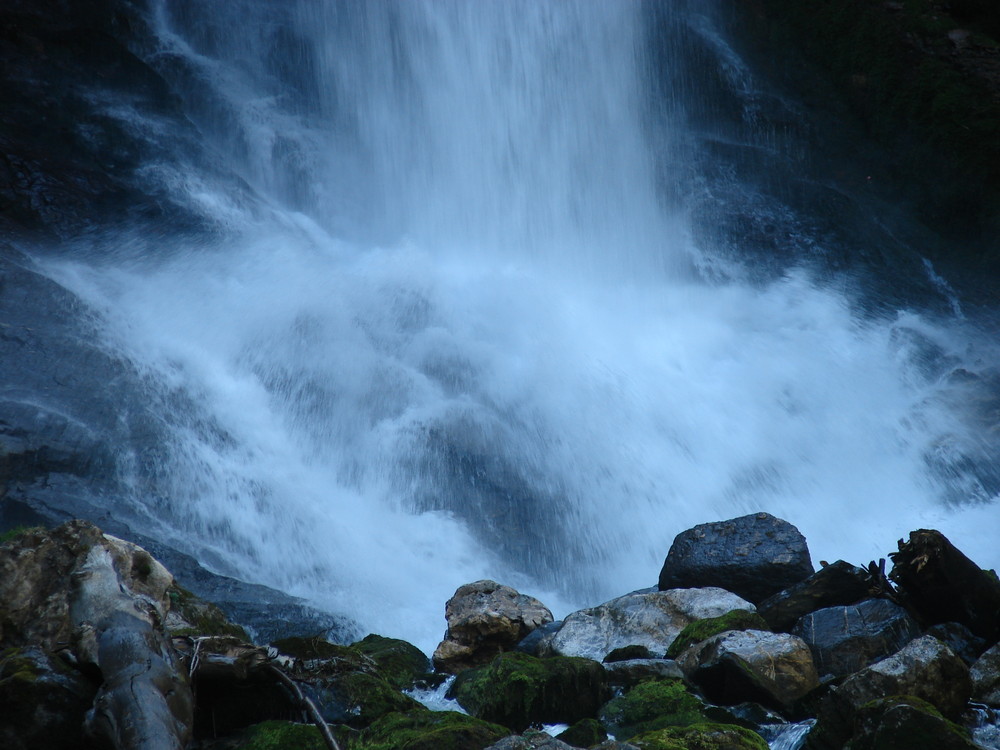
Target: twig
x=309, y=706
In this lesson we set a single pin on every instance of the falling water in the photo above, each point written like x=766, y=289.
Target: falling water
x=460, y=332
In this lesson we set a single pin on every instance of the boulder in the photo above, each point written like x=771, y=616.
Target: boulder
x=774, y=669
x=702, y=736
x=907, y=723
x=428, y=730
x=585, y=733
x=966, y=645
x=43, y=699
x=985, y=674
x=925, y=668
x=533, y=739
x=400, y=663
x=837, y=584
x=539, y=641
x=754, y=556
x=625, y=653
x=738, y=619
x=631, y=672
x=944, y=585
x=518, y=690
x=846, y=639
x=652, y=705
x=652, y=619
x=486, y=618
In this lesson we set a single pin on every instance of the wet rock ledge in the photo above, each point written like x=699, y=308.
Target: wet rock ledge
x=740, y=645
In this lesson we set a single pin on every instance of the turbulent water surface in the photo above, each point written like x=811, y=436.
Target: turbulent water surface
x=466, y=321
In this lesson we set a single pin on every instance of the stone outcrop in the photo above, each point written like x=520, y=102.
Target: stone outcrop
x=837, y=584
x=486, y=618
x=753, y=556
x=651, y=619
x=774, y=669
x=652, y=705
x=846, y=639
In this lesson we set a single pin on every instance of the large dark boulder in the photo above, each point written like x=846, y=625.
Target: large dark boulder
x=518, y=690
x=846, y=639
x=753, y=556
x=832, y=585
x=944, y=585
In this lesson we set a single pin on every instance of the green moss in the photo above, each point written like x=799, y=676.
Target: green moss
x=12, y=534
x=705, y=736
x=429, y=730
x=399, y=662
x=204, y=618
x=315, y=647
x=905, y=722
x=650, y=705
x=280, y=735
x=371, y=698
x=584, y=733
x=15, y=666
x=518, y=690
x=737, y=619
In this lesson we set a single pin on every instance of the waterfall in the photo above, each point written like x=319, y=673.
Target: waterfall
x=466, y=326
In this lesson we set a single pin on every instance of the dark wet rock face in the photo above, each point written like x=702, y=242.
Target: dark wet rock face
x=839, y=583
x=753, y=556
x=846, y=639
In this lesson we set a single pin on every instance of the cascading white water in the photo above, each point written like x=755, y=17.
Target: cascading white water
x=466, y=341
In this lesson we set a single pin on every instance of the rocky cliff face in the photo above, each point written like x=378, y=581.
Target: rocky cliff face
x=923, y=79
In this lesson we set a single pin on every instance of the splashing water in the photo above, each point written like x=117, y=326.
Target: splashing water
x=467, y=341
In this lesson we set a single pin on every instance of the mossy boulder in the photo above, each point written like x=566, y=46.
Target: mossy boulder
x=907, y=723
x=358, y=699
x=651, y=705
x=701, y=737
x=316, y=648
x=584, y=733
x=429, y=730
x=43, y=699
x=518, y=690
x=278, y=735
x=700, y=630
x=193, y=616
x=400, y=663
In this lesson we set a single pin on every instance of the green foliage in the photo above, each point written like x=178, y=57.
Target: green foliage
x=705, y=736
x=518, y=690
x=650, y=705
x=399, y=662
x=429, y=730
x=280, y=735
x=737, y=619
